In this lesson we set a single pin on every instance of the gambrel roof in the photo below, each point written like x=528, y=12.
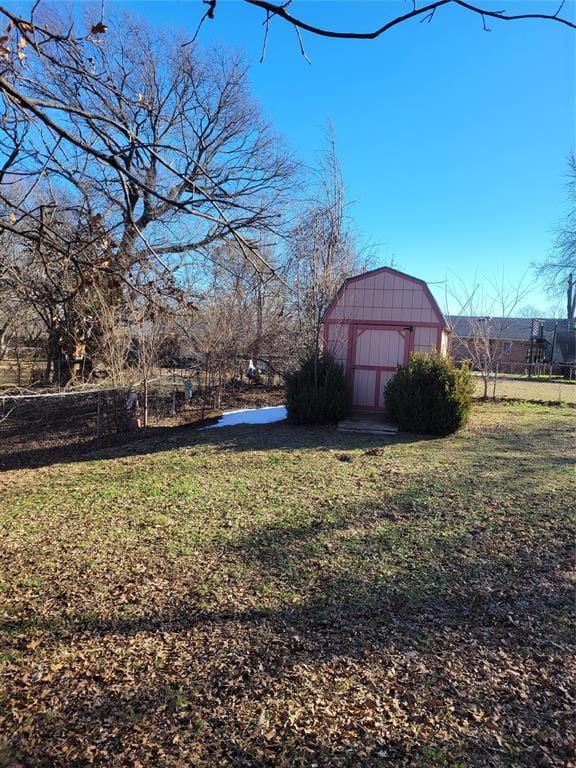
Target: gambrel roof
x=396, y=284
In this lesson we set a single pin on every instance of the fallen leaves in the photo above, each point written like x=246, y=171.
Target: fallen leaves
x=243, y=599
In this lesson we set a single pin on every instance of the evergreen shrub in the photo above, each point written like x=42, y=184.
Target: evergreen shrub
x=317, y=391
x=430, y=395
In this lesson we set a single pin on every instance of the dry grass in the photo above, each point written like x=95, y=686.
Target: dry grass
x=11, y=371
x=554, y=390
x=247, y=597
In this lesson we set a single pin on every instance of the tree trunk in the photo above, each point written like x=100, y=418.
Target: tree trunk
x=72, y=355
x=5, y=339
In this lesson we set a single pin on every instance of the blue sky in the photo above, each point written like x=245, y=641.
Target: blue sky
x=453, y=141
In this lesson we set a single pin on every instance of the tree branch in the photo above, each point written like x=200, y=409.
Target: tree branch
x=281, y=10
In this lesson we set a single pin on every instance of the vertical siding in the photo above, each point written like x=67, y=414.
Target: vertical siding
x=364, y=387
x=383, y=297
x=445, y=343
x=380, y=347
x=425, y=339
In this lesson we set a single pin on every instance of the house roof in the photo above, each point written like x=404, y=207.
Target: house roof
x=504, y=328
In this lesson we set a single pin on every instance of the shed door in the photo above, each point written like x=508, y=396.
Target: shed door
x=377, y=352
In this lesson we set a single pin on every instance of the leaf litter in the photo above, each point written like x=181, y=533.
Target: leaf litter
x=239, y=598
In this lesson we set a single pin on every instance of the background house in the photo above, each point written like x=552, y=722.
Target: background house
x=516, y=344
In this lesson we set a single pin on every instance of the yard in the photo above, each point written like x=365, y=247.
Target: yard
x=276, y=596
x=520, y=388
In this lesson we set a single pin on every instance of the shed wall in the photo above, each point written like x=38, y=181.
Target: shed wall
x=425, y=339
x=445, y=343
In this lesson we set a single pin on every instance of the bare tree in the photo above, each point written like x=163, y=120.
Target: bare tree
x=559, y=269
x=146, y=333
x=39, y=38
x=57, y=282
x=15, y=322
x=20, y=339
x=480, y=328
x=173, y=130
x=322, y=250
x=157, y=157
x=534, y=312
x=9, y=306
x=241, y=314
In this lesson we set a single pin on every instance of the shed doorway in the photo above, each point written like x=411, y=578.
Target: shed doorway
x=377, y=351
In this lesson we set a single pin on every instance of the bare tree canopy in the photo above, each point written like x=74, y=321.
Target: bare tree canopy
x=487, y=312
x=322, y=249
x=171, y=133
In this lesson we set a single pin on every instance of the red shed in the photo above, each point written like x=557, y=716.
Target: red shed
x=373, y=324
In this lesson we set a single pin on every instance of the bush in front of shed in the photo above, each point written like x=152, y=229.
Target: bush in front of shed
x=317, y=392
x=430, y=395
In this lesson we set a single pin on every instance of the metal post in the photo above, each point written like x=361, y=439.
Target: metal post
x=553, y=348
x=145, y=402
x=173, y=394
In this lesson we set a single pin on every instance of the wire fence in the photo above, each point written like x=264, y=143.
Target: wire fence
x=102, y=412
x=528, y=371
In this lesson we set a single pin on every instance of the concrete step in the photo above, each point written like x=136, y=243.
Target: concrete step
x=367, y=426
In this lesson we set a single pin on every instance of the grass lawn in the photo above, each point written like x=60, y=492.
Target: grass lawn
x=276, y=596
x=547, y=390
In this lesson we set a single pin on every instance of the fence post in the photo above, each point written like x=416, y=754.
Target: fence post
x=146, y=402
x=99, y=416
x=173, y=394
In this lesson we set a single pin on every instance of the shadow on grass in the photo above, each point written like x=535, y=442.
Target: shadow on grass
x=355, y=593
x=277, y=436
x=386, y=584
x=280, y=436
x=243, y=661
x=369, y=581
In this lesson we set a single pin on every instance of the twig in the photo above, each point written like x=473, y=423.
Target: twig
x=208, y=15
x=302, y=50
x=282, y=12
x=265, y=42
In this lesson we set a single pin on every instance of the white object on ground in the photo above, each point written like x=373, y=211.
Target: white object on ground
x=132, y=400
x=266, y=415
